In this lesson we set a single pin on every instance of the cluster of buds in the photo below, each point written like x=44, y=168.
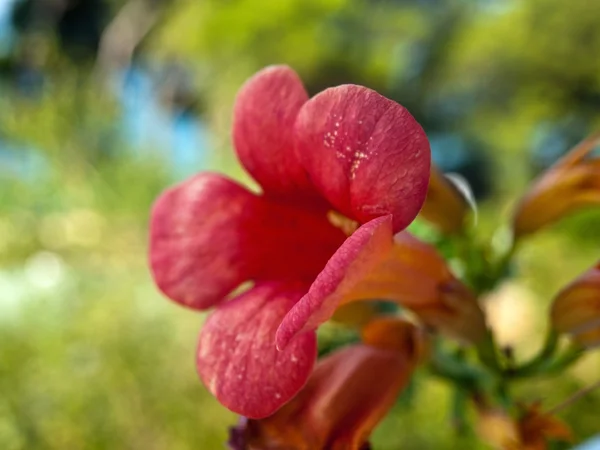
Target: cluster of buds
x=342, y=175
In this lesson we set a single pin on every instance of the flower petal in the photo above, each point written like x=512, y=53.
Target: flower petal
x=576, y=309
x=373, y=264
x=209, y=234
x=359, y=254
x=397, y=334
x=536, y=427
x=237, y=358
x=365, y=153
x=197, y=239
x=558, y=193
x=264, y=114
x=445, y=205
x=347, y=395
x=578, y=153
x=589, y=339
x=498, y=429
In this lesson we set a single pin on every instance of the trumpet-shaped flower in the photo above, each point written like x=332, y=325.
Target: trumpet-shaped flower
x=346, y=396
x=571, y=184
x=406, y=271
x=576, y=309
x=347, y=150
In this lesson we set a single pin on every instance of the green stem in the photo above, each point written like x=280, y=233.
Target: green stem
x=562, y=362
x=462, y=374
x=503, y=395
x=486, y=352
x=506, y=259
x=552, y=366
x=458, y=417
x=538, y=362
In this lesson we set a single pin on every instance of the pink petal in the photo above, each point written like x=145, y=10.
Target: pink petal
x=265, y=111
x=237, y=358
x=359, y=254
x=198, y=238
x=365, y=153
x=348, y=394
x=209, y=234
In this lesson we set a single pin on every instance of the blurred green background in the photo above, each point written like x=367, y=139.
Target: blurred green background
x=104, y=103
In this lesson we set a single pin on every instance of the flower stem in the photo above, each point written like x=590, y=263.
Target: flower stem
x=467, y=376
x=533, y=366
x=571, y=355
x=486, y=352
x=458, y=418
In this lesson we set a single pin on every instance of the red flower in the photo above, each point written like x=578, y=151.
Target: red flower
x=348, y=150
x=346, y=396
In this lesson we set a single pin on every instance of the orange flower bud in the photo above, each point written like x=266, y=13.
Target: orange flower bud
x=392, y=333
x=536, y=427
x=571, y=184
x=356, y=314
x=346, y=396
x=424, y=283
x=373, y=264
x=530, y=431
x=413, y=274
x=445, y=206
x=498, y=429
x=576, y=309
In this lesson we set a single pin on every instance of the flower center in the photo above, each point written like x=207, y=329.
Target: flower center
x=338, y=220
